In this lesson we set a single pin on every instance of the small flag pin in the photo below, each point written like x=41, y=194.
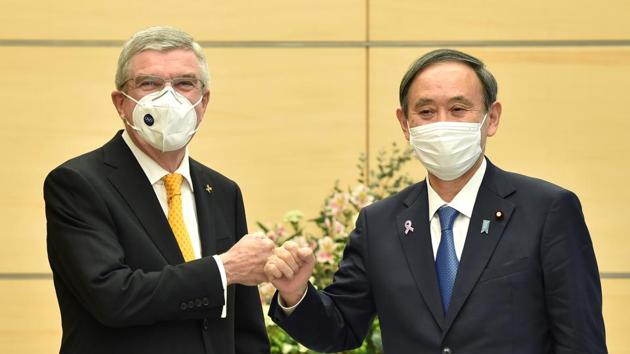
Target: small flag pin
x=485, y=226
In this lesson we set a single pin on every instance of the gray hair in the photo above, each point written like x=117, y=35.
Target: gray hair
x=161, y=39
x=488, y=82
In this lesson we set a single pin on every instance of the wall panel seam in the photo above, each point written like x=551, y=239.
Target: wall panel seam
x=330, y=44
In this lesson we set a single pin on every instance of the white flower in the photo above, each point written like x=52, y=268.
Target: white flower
x=293, y=216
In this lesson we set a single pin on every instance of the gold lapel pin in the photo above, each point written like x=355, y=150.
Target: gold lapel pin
x=208, y=189
x=498, y=215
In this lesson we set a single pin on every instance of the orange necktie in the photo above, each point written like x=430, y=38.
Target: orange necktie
x=173, y=183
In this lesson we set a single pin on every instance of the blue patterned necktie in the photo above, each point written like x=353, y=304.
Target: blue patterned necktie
x=446, y=262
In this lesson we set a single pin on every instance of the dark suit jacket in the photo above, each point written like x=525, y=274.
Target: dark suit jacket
x=529, y=286
x=121, y=281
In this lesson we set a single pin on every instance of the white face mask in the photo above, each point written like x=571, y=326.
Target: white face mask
x=447, y=149
x=164, y=119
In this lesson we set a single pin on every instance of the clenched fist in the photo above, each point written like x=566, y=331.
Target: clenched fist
x=244, y=263
x=288, y=269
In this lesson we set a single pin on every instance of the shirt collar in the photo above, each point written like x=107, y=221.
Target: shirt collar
x=464, y=201
x=152, y=169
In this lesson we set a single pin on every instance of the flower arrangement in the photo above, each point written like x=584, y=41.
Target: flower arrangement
x=327, y=235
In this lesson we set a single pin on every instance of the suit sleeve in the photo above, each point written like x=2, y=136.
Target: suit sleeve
x=85, y=254
x=571, y=278
x=339, y=317
x=250, y=332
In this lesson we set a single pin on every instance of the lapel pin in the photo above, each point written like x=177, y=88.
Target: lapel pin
x=485, y=226
x=208, y=189
x=498, y=215
x=408, y=227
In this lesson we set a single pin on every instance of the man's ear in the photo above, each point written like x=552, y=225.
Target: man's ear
x=494, y=117
x=118, y=99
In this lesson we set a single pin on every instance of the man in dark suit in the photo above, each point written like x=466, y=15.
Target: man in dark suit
x=147, y=246
x=473, y=260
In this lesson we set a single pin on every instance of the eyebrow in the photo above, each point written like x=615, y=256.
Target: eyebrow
x=460, y=99
x=188, y=75
x=421, y=102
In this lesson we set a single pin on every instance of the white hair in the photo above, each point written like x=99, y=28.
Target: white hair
x=161, y=39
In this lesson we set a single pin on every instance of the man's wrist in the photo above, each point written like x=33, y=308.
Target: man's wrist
x=293, y=298
x=223, y=275
x=288, y=310
x=225, y=260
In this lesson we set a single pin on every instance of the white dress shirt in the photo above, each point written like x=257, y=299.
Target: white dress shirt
x=464, y=202
x=154, y=173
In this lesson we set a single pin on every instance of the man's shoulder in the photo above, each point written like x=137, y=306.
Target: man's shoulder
x=521, y=181
x=396, y=201
x=92, y=162
x=533, y=188
x=213, y=175
x=89, y=162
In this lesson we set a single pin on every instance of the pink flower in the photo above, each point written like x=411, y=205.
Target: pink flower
x=303, y=242
x=326, y=250
x=361, y=196
x=324, y=257
x=337, y=204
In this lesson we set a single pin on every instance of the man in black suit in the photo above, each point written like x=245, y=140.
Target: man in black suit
x=148, y=247
x=473, y=260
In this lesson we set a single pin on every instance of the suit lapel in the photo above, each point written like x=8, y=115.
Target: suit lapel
x=479, y=247
x=134, y=187
x=418, y=249
x=206, y=208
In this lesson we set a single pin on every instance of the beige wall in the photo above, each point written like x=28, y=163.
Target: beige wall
x=289, y=114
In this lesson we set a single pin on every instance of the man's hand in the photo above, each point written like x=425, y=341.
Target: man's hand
x=244, y=263
x=288, y=269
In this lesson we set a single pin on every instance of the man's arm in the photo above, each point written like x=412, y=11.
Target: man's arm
x=331, y=320
x=571, y=277
x=86, y=255
x=250, y=334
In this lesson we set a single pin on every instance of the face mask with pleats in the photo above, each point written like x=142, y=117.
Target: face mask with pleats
x=447, y=149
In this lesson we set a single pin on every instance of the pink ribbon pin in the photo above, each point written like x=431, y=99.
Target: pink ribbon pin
x=408, y=227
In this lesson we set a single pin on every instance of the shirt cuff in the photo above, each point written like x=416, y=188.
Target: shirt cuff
x=289, y=310
x=224, y=283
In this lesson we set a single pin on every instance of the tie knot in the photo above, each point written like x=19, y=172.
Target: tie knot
x=447, y=216
x=173, y=183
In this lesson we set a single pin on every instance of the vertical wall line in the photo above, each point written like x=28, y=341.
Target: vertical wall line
x=367, y=91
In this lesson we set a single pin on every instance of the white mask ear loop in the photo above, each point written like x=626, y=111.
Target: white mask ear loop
x=483, y=120
x=125, y=119
x=199, y=122
x=129, y=97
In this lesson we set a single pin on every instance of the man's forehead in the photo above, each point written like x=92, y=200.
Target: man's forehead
x=446, y=71
x=182, y=60
x=447, y=75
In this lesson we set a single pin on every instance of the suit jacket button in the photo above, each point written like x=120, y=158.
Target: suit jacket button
x=191, y=304
x=198, y=302
x=447, y=350
x=205, y=301
x=205, y=324
x=183, y=306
